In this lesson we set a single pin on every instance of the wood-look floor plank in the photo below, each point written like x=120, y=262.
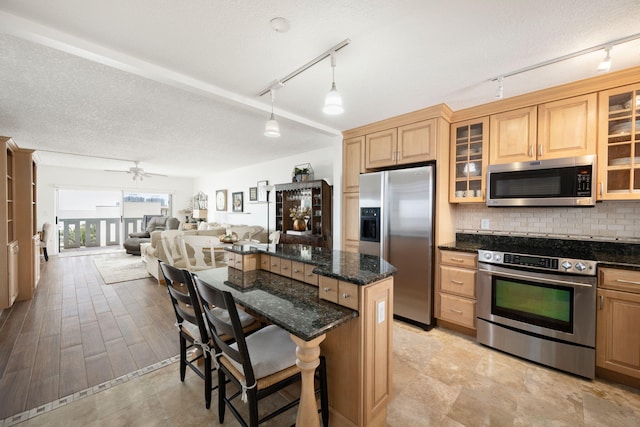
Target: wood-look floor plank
x=70, y=307
x=98, y=368
x=86, y=312
x=14, y=388
x=47, y=361
x=100, y=304
x=24, y=353
x=129, y=329
x=108, y=327
x=42, y=390
x=51, y=322
x=122, y=361
x=92, y=342
x=164, y=344
x=10, y=331
x=117, y=307
x=143, y=354
x=73, y=376
x=70, y=334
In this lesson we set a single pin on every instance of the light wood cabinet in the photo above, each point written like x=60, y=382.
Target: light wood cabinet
x=25, y=222
x=469, y=158
x=618, y=317
x=512, y=136
x=563, y=128
x=352, y=164
x=412, y=143
x=351, y=222
x=456, y=292
x=568, y=127
x=619, y=143
x=9, y=247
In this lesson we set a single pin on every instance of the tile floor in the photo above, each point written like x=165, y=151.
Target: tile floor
x=440, y=378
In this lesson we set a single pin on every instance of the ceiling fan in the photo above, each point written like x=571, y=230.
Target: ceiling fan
x=137, y=172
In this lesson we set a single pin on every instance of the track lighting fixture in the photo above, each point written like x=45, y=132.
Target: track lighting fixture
x=333, y=100
x=605, y=65
x=500, y=91
x=272, y=128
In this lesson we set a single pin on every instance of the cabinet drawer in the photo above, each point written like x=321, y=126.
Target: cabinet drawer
x=309, y=276
x=348, y=295
x=620, y=280
x=328, y=289
x=459, y=259
x=265, y=262
x=297, y=271
x=285, y=267
x=275, y=265
x=461, y=281
x=458, y=310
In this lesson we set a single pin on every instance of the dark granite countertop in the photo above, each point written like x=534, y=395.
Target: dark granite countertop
x=292, y=305
x=360, y=269
x=607, y=254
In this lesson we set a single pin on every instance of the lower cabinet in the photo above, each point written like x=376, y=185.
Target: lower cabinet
x=618, y=317
x=456, y=291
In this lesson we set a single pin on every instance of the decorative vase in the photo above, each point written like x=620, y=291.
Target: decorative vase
x=299, y=224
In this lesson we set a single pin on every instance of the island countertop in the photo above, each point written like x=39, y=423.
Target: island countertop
x=360, y=269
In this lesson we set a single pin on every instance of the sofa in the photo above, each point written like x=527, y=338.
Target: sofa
x=239, y=233
x=150, y=223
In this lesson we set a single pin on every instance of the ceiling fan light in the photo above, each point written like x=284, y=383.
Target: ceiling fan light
x=272, y=128
x=333, y=102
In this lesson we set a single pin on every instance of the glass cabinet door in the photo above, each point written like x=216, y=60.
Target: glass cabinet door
x=620, y=143
x=469, y=160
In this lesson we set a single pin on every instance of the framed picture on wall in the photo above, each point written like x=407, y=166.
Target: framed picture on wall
x=262, y=193
x=237, y=202
x=221, y=200
x=253, y=194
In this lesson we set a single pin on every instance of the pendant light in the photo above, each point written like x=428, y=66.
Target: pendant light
x=272, y=128
x=333, y=100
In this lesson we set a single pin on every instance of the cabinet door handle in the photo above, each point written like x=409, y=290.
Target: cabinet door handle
x=531, y=151
x=295, y=270
x=457, y=282
x=539, y=150
x=273, y=265
x=601, y=302
x=327, y=289
x=457, y=259
x=455, y=311
x=629, y=282
x=345, y=295
x=601, y=188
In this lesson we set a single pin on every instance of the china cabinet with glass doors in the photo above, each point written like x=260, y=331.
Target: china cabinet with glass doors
x=469, y=160
x=619, y=144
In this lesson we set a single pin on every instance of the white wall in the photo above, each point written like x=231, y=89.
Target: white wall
x=326, y=164
x=50, y=178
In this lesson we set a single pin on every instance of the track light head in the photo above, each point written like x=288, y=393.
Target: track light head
x=333, y=100
x=500, y=91
x=605, y=64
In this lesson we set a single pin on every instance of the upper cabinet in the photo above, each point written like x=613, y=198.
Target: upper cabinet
x=413, y=143
x=563, y=128
x=568, y=127
x=619, y=143
x=352, y=164
x=512, y=136
x=468, y=160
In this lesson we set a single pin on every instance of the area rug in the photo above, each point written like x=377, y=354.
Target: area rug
x=120, y=267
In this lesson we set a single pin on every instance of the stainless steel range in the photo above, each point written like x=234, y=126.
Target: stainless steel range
x=538, y=307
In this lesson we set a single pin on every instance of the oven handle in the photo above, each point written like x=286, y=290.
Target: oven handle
x=529, y=277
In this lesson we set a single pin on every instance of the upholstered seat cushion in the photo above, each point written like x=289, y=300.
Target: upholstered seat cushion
x=245, y=318
x=271, y=350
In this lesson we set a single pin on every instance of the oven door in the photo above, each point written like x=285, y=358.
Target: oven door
x=560, y=307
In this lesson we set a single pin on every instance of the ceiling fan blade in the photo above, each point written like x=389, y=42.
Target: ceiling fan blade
x=113, y=170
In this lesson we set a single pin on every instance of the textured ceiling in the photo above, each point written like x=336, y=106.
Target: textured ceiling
x=174, y=84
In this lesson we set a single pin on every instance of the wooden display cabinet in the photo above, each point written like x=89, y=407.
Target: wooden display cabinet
x=317, y=195
x=619, y=144
x=468, y=160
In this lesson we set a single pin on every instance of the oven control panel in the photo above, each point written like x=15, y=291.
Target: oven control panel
x=563, y=265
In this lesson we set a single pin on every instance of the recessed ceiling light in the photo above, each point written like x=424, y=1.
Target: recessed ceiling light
x=281, y=25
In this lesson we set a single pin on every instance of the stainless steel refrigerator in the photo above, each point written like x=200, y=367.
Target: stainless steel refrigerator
x=396, y=223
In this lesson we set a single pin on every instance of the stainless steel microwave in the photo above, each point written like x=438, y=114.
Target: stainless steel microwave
x=567, y=181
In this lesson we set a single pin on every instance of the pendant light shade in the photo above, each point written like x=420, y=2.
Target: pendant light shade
x=272, y=128
x=333, y=100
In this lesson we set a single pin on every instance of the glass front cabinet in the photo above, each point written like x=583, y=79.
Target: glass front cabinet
x=469, y=157
x=619, y=144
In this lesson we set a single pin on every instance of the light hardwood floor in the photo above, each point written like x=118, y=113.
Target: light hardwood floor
x=440, y=378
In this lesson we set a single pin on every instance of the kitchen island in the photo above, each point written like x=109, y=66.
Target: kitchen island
x=341, y=307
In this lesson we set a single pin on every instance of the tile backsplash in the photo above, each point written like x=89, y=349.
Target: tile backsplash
x=606, y=221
